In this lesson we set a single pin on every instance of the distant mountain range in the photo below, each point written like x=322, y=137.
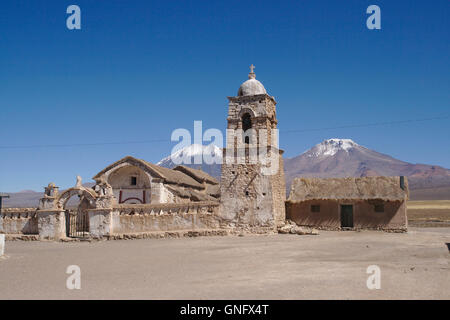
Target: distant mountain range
x=330, y=158
x=345, y=158
x=341, y=158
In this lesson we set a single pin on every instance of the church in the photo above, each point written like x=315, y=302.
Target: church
x=248, y=196
x=133, y=198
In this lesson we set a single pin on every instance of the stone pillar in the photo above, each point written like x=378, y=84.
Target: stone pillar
x=157, y=191
x=100, y=222
x=2, y=244
x=51, y=217
x=100, y=217
x=51, y=224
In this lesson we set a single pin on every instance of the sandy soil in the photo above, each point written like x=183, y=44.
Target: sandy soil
x=329, y=266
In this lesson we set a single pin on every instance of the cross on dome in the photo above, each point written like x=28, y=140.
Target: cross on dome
x=252, y=86
x=252, y=75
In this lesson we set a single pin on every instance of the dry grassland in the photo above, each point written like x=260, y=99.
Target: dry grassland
x=429, y=213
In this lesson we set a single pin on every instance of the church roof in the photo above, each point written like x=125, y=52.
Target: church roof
x=199, y=175
x=168, y=175
x=192, y=194
x=251, y=87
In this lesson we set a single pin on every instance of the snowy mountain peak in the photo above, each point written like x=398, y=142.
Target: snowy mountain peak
x=191, y=151
x=330, y=147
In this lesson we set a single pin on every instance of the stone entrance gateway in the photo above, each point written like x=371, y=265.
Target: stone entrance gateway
x=77, y=223
x=90, y=218
x=77, y=218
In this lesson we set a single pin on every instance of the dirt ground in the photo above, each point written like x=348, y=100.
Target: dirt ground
x=331, y=265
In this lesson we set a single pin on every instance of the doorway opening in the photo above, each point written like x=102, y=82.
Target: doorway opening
x=346, y=216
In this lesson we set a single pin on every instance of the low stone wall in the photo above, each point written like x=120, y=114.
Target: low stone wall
x=122, y=221
x=18, y=221
x=132, y=219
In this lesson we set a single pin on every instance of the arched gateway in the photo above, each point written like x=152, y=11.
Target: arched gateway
x=77, y=216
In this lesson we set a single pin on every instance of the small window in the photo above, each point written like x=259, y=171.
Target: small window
x=379, y=208
x=315, y=208
x=133, y=181
x=246, y=193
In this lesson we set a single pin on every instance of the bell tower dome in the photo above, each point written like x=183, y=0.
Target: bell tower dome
x=252, y=86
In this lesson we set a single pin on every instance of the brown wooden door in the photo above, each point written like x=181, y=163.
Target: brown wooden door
x=346, y=216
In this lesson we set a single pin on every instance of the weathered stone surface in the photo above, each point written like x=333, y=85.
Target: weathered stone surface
x=251, y=198
x=285, y=229
x=164, y=217
x=51, y=224
x=100, y=222
x=2, y=244
x=18, y=221
x=22, y=237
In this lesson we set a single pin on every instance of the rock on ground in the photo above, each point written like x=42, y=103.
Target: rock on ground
x=292, y=228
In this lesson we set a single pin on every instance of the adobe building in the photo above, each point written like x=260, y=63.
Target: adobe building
x=349, y=203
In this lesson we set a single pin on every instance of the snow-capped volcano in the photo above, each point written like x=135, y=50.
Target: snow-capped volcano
x=330, y=147
x=346, y=158
x=187, y=156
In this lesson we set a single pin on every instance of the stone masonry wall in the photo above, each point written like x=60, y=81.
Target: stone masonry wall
x=18, y=221
x=246, y=198
x=165, y=217
x=279, y=193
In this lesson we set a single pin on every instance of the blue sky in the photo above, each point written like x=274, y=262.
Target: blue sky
x=137, y=70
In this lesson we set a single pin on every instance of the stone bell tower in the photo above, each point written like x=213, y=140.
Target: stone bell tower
x=253, y=188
